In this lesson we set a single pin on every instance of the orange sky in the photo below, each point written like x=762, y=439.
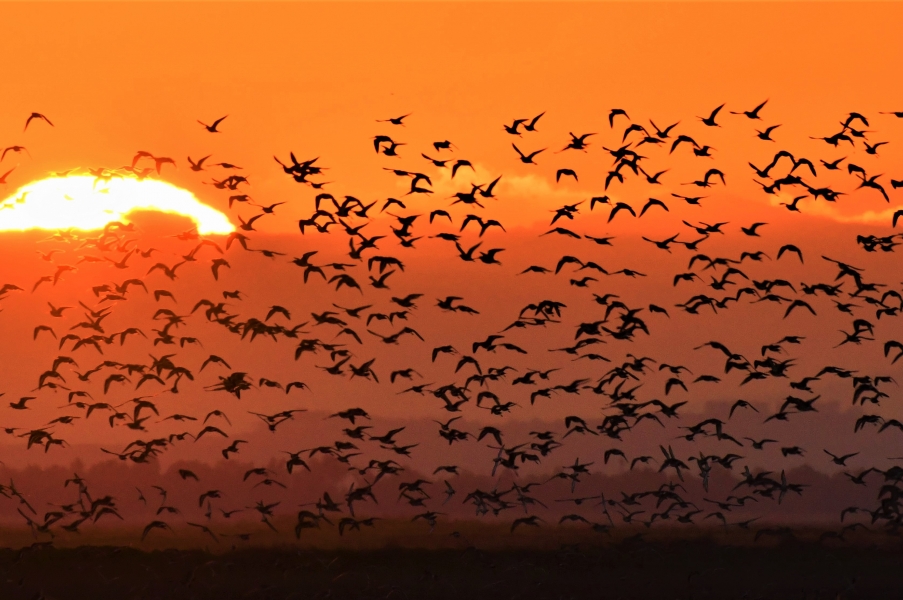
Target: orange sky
x=313, y=78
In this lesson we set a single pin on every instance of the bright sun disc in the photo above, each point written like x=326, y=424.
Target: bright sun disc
x=83, y=202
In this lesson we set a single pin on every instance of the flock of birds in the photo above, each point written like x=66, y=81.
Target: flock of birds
x=346, y=338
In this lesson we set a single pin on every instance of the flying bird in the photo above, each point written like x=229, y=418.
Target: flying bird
x=212, y=128
x=34, y=116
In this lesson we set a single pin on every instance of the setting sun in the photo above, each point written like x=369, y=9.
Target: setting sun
x=83, y=202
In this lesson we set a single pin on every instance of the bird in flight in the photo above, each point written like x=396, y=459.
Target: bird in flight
x=212, y=128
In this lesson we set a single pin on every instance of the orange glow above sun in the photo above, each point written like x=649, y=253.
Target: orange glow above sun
x=82, y=202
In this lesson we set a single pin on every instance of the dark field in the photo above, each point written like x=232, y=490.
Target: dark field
x=536, y=565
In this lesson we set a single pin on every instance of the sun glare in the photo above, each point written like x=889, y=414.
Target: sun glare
x=83, y=202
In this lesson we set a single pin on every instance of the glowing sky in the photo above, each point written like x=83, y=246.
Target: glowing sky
x=84, y=202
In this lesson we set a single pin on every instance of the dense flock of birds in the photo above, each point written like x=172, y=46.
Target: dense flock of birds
x=349, y=342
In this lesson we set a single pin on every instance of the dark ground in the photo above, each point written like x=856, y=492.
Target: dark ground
x=630, y=569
